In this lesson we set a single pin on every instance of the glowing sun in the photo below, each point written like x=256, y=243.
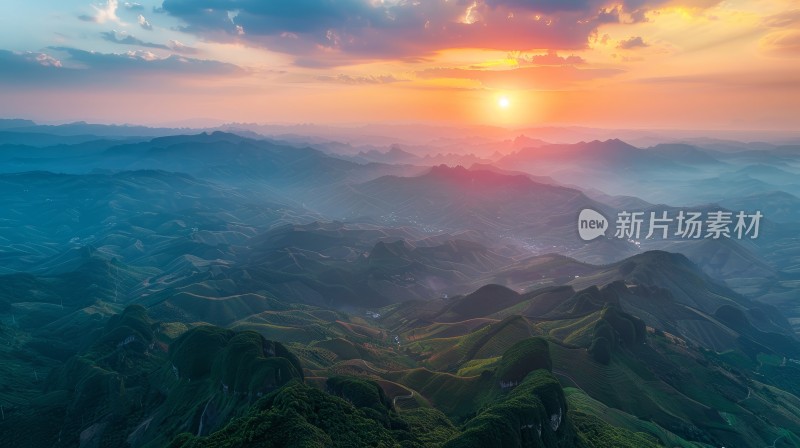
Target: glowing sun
x=503, y=102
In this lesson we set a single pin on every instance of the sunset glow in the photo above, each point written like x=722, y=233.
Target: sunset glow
x=503, y=102
x=399, y=223
x=677, y=64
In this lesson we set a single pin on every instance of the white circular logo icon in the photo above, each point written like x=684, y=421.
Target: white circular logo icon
x=591, y=224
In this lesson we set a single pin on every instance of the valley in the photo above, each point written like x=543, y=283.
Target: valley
x=220, y=289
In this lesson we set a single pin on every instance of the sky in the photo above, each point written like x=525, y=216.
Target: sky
x=634, y=64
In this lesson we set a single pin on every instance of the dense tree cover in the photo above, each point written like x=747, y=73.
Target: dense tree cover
x=524, y=357
x=100, y=382
x=244, y=361
x=223, y=388
x=601, y=350
x=250, y=364
x=595, y=433
x=194, y=352
x=121, y=379
x=356, y=412
x=299, y=415
x=615, y=328
x=630, y=330
x=361, y=392
x=430, y=426
x=532, y=415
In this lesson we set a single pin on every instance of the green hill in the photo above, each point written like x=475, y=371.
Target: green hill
x=123, y=388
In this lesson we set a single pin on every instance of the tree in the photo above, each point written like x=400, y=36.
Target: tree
x=601, y=350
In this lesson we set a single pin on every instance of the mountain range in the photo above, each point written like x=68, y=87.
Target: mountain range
x=172, y=287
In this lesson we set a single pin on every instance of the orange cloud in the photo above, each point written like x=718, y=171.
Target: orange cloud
x=537, y=77
x=784, y=43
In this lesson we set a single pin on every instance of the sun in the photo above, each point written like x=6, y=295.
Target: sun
x=503, y=102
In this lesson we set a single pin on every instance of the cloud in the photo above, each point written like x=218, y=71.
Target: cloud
x=103, y=14
x=137, y=62
x=64, y=66
x=180, y=47
x=784, y=40
x=33, y=59
x=606, y=15
x=768, y=80
x=28, y=67
x=133, y=6
x=632, y=42
x=784, y=19
x=359, y=80
x=543, y=6
x=537, y=77
x=550, y=58
x=639, y=16
x=144, y=23
x=45, y=60
x=124, y=38
x=143, y=55
x=330, y=33
x=782, y=43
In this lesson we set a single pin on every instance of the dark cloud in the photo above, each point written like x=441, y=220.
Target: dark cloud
x=538, y=77
x=27, y=67
x=632, y=42
x=40, y=70
x=69, y=66
x=123, y=38
x=639, y=16
x=137, y=62
x=127, y=39
x=607, y=15
x=323, y=33
x=544, y=6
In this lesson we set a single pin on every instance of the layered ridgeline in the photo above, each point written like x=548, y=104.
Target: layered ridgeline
x=657, y=348
x=220, y=290
x=134, y=381
x=652, y=353
x=139, y=382
x=185, y=208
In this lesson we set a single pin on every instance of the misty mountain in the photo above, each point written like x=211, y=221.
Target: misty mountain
x=595, y=156
x=780, y=206
x=684, y=154
x=219, y=288
x=395, y=154
x=449, y=199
